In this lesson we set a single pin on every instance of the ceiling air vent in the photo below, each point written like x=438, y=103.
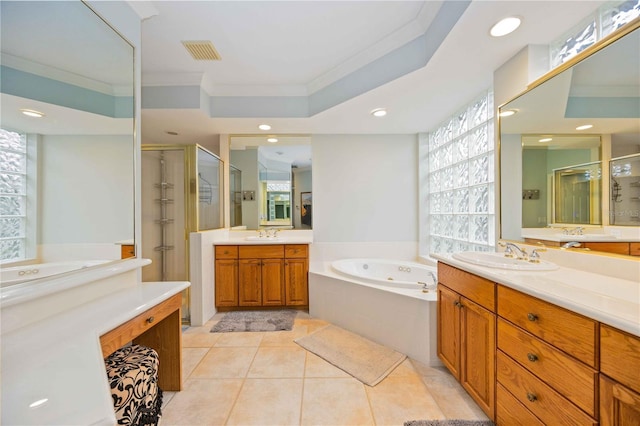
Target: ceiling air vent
x=202, y=50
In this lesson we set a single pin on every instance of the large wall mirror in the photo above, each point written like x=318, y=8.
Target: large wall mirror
x=570, y=175
x=271, y=182
x=67, y=177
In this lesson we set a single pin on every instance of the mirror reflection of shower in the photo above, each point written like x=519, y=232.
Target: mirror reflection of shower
x=578, y=193
x=625, y=190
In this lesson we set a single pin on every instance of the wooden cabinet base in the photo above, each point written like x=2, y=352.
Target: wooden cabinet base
x=158, y=328
x=619, y=406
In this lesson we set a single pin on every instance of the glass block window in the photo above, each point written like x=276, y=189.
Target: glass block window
x=615, y=15
x=600, y=24
x=13, y=195
x=282, y=186
x=461, y=191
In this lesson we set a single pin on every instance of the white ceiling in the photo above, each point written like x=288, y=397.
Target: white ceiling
x=294, y=48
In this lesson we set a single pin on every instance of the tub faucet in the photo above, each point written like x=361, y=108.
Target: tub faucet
x=512, y=250
x=426, y=287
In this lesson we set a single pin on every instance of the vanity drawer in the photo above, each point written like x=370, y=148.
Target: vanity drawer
x=544, y=402
x=511, y=412
x=296, y=251
x=634, y=249
x=473, y=287
x=620, y=356
x=266, y=251
x=566, y=330
x=125, y=333
x=226, y=252
x=571, y=378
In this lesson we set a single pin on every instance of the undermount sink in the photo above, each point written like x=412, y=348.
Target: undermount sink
x=498, y=260
x=265, y=239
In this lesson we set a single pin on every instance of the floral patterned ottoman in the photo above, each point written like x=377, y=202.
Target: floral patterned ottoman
x=133, y=376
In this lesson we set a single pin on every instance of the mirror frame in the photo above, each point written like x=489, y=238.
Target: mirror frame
x=588, y=52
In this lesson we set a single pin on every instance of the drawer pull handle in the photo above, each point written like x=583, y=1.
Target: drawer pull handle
x=532, y=317
x=150, y=320
x=226, y=252
x=532, y=357
x=532, y=397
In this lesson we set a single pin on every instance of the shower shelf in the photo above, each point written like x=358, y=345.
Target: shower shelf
x=163, y=248
x=164, y=201
x=164, y=185
x=164, y=221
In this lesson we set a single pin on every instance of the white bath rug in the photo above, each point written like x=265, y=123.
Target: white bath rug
x=365, y=360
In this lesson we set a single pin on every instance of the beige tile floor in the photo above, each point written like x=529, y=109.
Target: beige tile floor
x=267, y=379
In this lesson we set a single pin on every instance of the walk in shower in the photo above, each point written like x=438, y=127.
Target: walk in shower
x=181, y=193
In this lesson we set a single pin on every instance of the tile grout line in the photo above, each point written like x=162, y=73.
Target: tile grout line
x=304, y=381
x=244, y=380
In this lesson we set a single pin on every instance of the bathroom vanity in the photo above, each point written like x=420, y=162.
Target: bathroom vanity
x=544, y=347
x=258, y=275
x=56, y=334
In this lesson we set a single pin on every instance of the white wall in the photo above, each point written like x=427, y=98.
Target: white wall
x=365, y=188
x=86, y=191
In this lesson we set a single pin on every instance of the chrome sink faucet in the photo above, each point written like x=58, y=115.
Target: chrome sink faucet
x=512, y=250
x=571, y=244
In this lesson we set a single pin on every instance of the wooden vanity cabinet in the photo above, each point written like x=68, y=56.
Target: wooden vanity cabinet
x=261, y=275
x=619, y=378
x=127, y=251
x=552, y=366
x=608, y=247
x=226, y=275
x=296, y=272
x=467, y=332
x=547, y=359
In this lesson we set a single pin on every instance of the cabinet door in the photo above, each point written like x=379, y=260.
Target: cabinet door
x=296, y=282
x=619, y=406
x=477, y=363
x=449, y=329
x=249, y=282
x=226, y=282
x=272, y=282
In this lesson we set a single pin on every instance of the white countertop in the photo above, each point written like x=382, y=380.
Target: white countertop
x=610, y=300
x=251, y=238
x=59, y=362
x=621, y=234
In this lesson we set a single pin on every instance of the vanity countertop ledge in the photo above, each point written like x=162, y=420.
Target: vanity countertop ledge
x=58, y=361
x=611, y=300
x=284, y=237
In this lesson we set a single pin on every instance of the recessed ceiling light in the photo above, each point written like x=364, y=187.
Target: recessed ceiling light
x=505, y=26
x=32, y=113
x=171, y=133
x=272, y=140
x=379, y=112
x=545, y=140
x=584, y=127
x=507, y=112
x=264, y=127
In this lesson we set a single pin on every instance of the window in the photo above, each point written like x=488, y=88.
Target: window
x=598, y=25
x=13, y=196
x=460, y=180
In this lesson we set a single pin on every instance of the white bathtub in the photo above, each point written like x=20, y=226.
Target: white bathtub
x=19, y=274
x=392, y=273
x=395, y=313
